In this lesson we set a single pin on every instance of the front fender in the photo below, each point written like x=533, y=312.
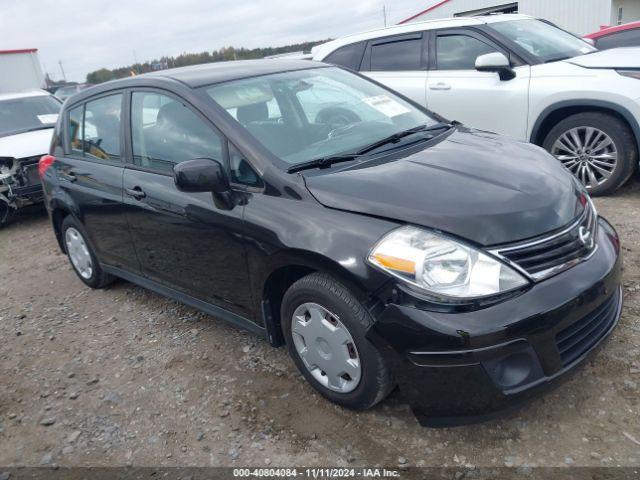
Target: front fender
x=284, y=232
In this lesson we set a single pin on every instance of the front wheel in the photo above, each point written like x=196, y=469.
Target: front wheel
x=324, y=326
x=598, y=148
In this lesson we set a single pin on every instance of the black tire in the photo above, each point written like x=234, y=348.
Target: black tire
x=6, y=214
x=99, y=278
x=376, y=381
x=620, y=134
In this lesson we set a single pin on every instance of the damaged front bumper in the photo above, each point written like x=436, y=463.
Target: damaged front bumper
x=19, y=182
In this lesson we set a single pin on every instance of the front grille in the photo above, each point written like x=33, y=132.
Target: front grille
x=551, y=254
x=581, y=336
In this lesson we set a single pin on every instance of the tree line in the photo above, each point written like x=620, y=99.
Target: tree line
x=184, y=59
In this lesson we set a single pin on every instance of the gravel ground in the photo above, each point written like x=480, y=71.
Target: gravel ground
x=123, y=376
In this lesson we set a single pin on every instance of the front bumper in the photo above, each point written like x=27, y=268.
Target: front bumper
x=461, y=368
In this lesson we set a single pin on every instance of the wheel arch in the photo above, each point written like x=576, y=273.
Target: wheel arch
x=557, y=111
x=284, y=274
x=58, y=214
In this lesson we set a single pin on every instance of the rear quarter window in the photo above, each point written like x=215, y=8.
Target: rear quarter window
x=74, y=130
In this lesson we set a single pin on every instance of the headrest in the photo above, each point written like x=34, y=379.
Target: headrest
x=256, y=112
x=175, y=114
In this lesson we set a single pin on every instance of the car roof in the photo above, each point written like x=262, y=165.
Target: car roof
x=25, y=94
x=210, y=73
x=614, y=29
x=217, y=72
x=321, y=51
x=201, y=75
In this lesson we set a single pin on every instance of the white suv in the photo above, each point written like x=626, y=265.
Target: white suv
x=514, y=75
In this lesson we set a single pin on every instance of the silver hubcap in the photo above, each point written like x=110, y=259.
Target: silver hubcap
x=78, y=253
x=588, y=153
x=326, y=347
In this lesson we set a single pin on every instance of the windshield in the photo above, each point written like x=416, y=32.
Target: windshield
x=545, y=41
x=28, y=113
x=317, y=113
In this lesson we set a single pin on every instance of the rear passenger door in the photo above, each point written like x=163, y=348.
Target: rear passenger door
x=399, y=62
x=457, y=91
x=91, y=175
x=187, y=241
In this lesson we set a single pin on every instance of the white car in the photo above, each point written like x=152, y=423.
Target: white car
x=26, y=126
x=514, y=75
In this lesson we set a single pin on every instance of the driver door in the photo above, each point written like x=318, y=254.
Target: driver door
x=183, y=240
x=457, y=91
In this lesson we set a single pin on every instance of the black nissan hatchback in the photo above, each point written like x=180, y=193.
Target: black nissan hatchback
x=382, y=244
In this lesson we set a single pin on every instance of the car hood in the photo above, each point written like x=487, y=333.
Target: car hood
x=627, y=57
x=479, y=186
x=27, y=144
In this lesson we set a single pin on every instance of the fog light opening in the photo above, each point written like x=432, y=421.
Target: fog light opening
x=513, y=369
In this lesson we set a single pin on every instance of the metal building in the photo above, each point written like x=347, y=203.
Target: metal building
x=20, y=70
x=578, y=16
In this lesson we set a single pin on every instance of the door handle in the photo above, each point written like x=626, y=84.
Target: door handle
x=69, y=177
x=135, y=192
x=439, y=86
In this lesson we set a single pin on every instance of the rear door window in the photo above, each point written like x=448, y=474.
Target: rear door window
x=397, y=54
x=165, y=132
x=101, y=132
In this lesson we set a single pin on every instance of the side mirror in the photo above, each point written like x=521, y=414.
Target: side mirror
x=495, y=62
x=200, y=175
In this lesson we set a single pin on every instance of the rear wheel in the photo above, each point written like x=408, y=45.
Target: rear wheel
x=81, y=255
x=324, y=327
x=598, y=148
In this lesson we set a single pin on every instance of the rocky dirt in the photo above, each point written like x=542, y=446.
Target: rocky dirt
x=123, y=376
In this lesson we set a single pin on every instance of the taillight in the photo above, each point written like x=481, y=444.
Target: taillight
x=45, y=162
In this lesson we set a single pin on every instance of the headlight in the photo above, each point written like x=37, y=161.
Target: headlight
x=630, y=73
x=441, y=266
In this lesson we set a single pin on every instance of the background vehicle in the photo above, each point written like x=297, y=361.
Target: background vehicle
x=65, y=92
x=627, y=35
x=24, y=68
x=376, y=251
x=517, y=76
x=26, y=125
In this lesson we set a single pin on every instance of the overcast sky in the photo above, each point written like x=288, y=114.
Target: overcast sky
x=90, y=34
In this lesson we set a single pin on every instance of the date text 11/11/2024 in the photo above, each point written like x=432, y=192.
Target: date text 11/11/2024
x=317, y=473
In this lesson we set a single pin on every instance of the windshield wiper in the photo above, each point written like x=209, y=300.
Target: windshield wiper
x=396, y=137
x=325, y=162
